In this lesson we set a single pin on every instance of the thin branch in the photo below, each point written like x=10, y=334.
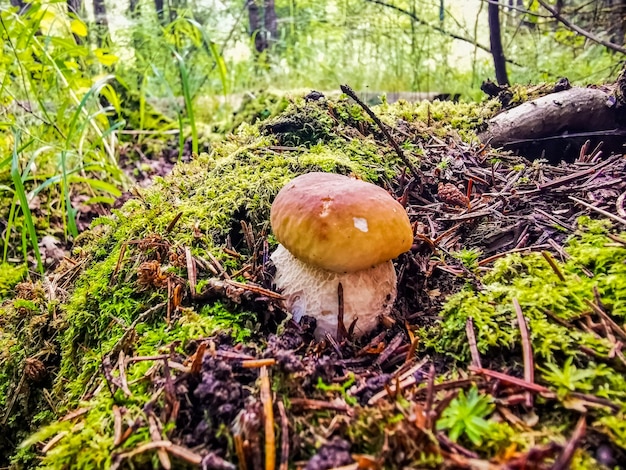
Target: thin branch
x=598, y=210
x=529, y=364
x=439, y=29
x=579, y=30
x=414, y=171
x=565, y=459
x=268, y=415
x=471, y=338
x=520, y=9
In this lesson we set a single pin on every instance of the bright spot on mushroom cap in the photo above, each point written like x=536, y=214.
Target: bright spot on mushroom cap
x=339, y=223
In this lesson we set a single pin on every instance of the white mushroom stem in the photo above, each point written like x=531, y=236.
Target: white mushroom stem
x=367, y=294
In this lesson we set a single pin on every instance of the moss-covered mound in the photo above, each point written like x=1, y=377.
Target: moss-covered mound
x=162, y=344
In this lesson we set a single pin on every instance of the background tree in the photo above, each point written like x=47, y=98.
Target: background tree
x=493, y=13
x=101, y=23
x=263, y=23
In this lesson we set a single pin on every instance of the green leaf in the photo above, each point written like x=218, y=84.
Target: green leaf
x=97, y=184
x=78, y=28
x=21, y=194
x=105, y=57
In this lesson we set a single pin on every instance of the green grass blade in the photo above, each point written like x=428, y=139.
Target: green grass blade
x=212, y=48
x=181, y=135
x=184, y=80
x=16, y=176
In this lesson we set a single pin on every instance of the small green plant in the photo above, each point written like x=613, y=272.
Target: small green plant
x=468, y=257
x=466, y=415
x=444, y=163
x=569, y=378
x=340, y=388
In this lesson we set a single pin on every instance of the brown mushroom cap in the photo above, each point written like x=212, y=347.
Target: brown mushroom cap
x=339, y=223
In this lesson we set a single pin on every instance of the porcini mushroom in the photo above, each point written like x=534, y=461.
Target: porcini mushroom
x=334, y=229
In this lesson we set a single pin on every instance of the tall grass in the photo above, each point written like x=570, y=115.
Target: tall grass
x=53, y=105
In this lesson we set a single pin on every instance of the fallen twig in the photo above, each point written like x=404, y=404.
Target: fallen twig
x=598, y=210
x=471, y=338
x=527, y=352
x=284, y=437
x=414, y=171
x=268, y=414
x=564, y=460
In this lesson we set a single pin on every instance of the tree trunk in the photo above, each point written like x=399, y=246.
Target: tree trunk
x=271, y=22
x=102, y=24
x=256, y=27
x=132, y=7
x=21, y=4
x=617, y=9
x=74, y=7
x=493, y=15
x=158, y=6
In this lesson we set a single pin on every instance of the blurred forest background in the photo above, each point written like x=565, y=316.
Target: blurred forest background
x=95, y=91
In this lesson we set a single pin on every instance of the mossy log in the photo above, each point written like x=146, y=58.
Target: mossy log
x=576, y=113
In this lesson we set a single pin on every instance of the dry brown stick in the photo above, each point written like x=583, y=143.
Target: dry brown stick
x=155, y=434
x=170, y=301
x=450, y=385
x=509, y=379
x=393, y=345
x=598, y=210
x=492, y=258
x=240, y=451
x=566, y=179
x=619, y=205
x=284, y=437
x=257, y=363
x=548, y=257
x=616, y=239
x=121, y=365
x=268, y=413
x=254, y=288
x=53, y=442
x=564, y=460
x=174, y=221
x=412, y=348
x=618, y=330
x=217, y=265
x=117, y=426
x=310, y=404
x=191, y=271
x=342, y=332
x=555, y=220
x=172, y=448
x=471, y=338
x=16, y=393
x=118, y=264
x=430, y=396
x=414, y=171
x=527, y=352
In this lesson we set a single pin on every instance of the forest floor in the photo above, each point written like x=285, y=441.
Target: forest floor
x=160, y=342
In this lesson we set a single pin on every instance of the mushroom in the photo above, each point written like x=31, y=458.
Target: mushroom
x=338, y=230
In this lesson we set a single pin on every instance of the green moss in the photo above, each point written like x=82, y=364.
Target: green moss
x=566, y=354
x=442, y=118
x=208, y=198
x=10, y=276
